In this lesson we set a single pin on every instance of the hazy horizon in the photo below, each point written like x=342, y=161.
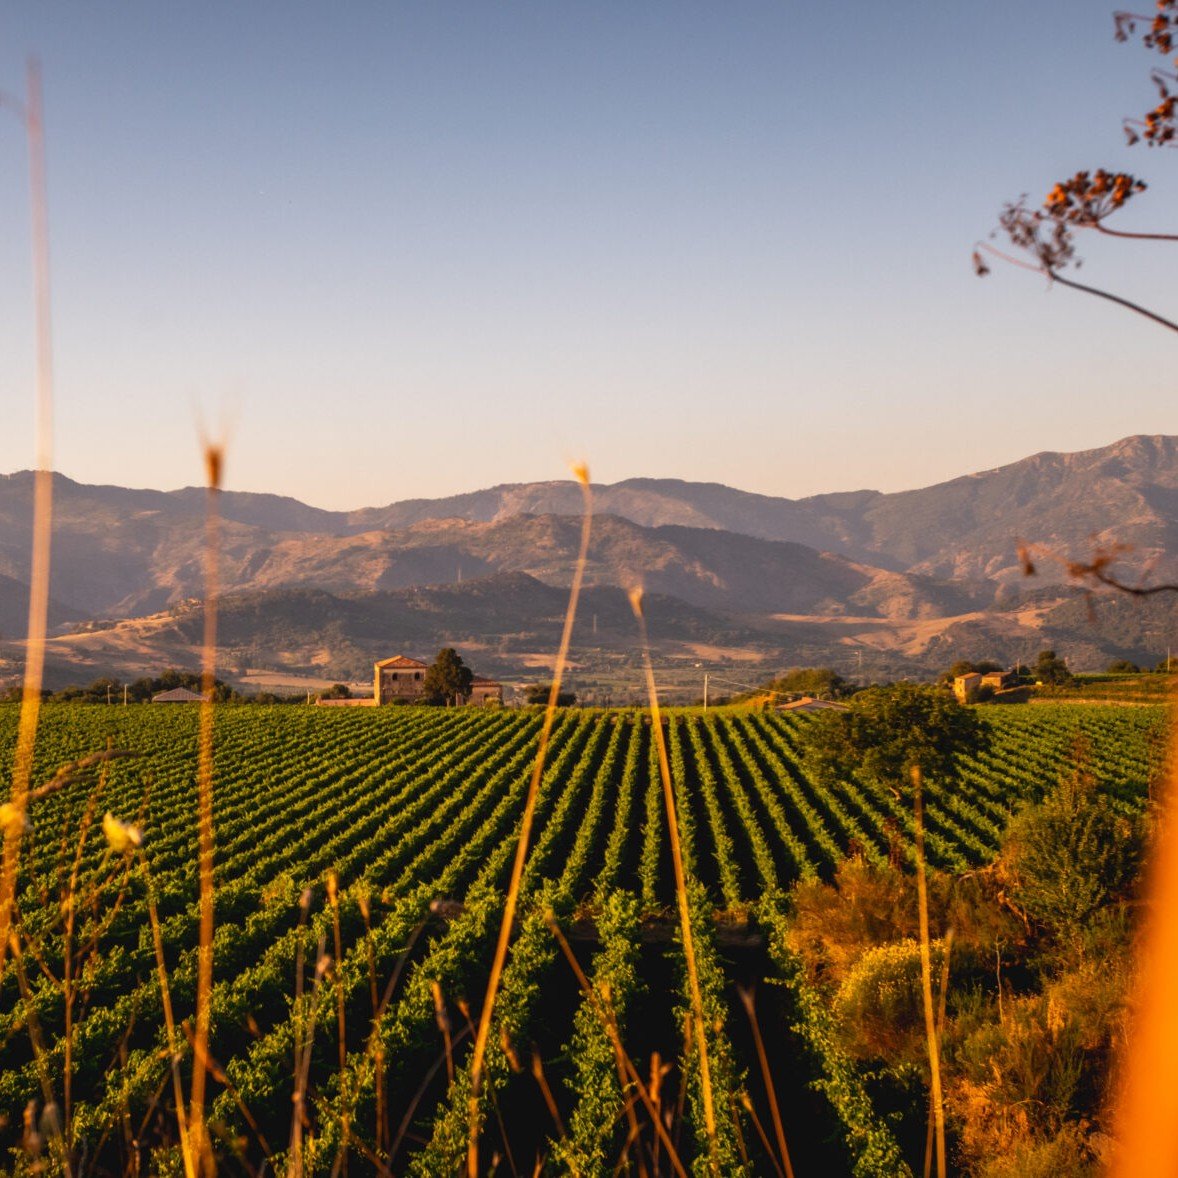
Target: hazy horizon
x=599, y=483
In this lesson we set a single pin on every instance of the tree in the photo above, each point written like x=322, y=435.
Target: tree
x=1071, y=856
x=1046, y=235
x=337, y=691
x=538, y=693
x=887, y=732
x=1051, y=669
x=448, y=679
x=817, y=681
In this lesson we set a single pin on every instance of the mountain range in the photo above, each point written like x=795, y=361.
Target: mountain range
x=889, y=584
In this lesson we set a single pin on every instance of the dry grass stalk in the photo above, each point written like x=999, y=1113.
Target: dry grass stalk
x=22, y=770
x=426, y=1081
x=926, y=977
x=341, y=1162
x=941, y=1002
x=747, y=998
x=1147, y=1106
x=550, y=1102
x=442, y=1018
x=169, y=1024
x=49, y=1112
x=521, y=852
x=303, y=1045
x=604, y=1013
x=68, y=979
x=214, y=463
x=700, y=1038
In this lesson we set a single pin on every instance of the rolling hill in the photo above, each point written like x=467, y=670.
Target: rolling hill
x=906, y=581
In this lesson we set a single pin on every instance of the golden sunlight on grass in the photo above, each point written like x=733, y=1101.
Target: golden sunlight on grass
x=699, y=1037
x=521, y=854
x=14, y=824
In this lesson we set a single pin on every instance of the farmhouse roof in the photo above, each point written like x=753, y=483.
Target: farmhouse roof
x=178, y=695
x=809, y=704
x=403, y=660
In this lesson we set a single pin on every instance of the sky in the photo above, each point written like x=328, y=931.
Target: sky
x=407, y=249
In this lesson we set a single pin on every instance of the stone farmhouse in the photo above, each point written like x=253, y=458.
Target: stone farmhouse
x=402, y=678
x=966, y=687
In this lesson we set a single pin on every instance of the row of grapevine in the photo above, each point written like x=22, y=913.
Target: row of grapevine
x=402, y=807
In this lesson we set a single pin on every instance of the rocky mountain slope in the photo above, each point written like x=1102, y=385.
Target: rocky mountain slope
x=907, y=580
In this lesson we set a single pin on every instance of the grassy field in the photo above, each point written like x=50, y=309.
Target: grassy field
x=360, y=867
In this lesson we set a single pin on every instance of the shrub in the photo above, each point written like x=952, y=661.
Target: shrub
x=880, y=1006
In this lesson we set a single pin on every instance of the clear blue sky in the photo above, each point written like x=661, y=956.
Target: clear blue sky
x=410, y=248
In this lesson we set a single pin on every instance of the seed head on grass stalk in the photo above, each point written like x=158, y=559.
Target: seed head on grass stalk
x=581, y=473
x=30, y=114
x=697, y=1016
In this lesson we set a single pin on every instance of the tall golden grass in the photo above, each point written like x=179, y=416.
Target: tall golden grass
x=581, y=473
x=699, y=1036
x=936, y=1100
x=15, y=812
x=214, y=456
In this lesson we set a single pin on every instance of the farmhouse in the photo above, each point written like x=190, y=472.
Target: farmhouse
x=398, y=678
x=485, y=691
x=402, y=679
x=967, y=687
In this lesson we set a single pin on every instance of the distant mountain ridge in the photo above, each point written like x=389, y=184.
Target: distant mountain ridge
x=936, y=557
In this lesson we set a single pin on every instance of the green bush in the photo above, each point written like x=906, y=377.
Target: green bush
x=880, y=1004
x=1070, y=856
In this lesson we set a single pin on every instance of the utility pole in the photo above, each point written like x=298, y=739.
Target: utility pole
x=108, y=694
x=705, y=691
x=124, y=695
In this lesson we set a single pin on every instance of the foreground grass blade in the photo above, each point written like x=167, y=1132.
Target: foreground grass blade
x=521, y=853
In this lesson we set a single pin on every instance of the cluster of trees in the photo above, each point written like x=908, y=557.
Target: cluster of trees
x=1037, y=951
x=886, y=732
x=1047, y=668
x=109, y=689
x=1125, y=667
x=819, y=682
x=538, y=693
x=1034, y=953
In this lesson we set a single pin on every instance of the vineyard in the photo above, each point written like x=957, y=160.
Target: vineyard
x=361, y=861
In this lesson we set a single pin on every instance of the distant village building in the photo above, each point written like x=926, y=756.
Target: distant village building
x=178, y=695
x=967, y=687
x=401, y=679
x=485, y=691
